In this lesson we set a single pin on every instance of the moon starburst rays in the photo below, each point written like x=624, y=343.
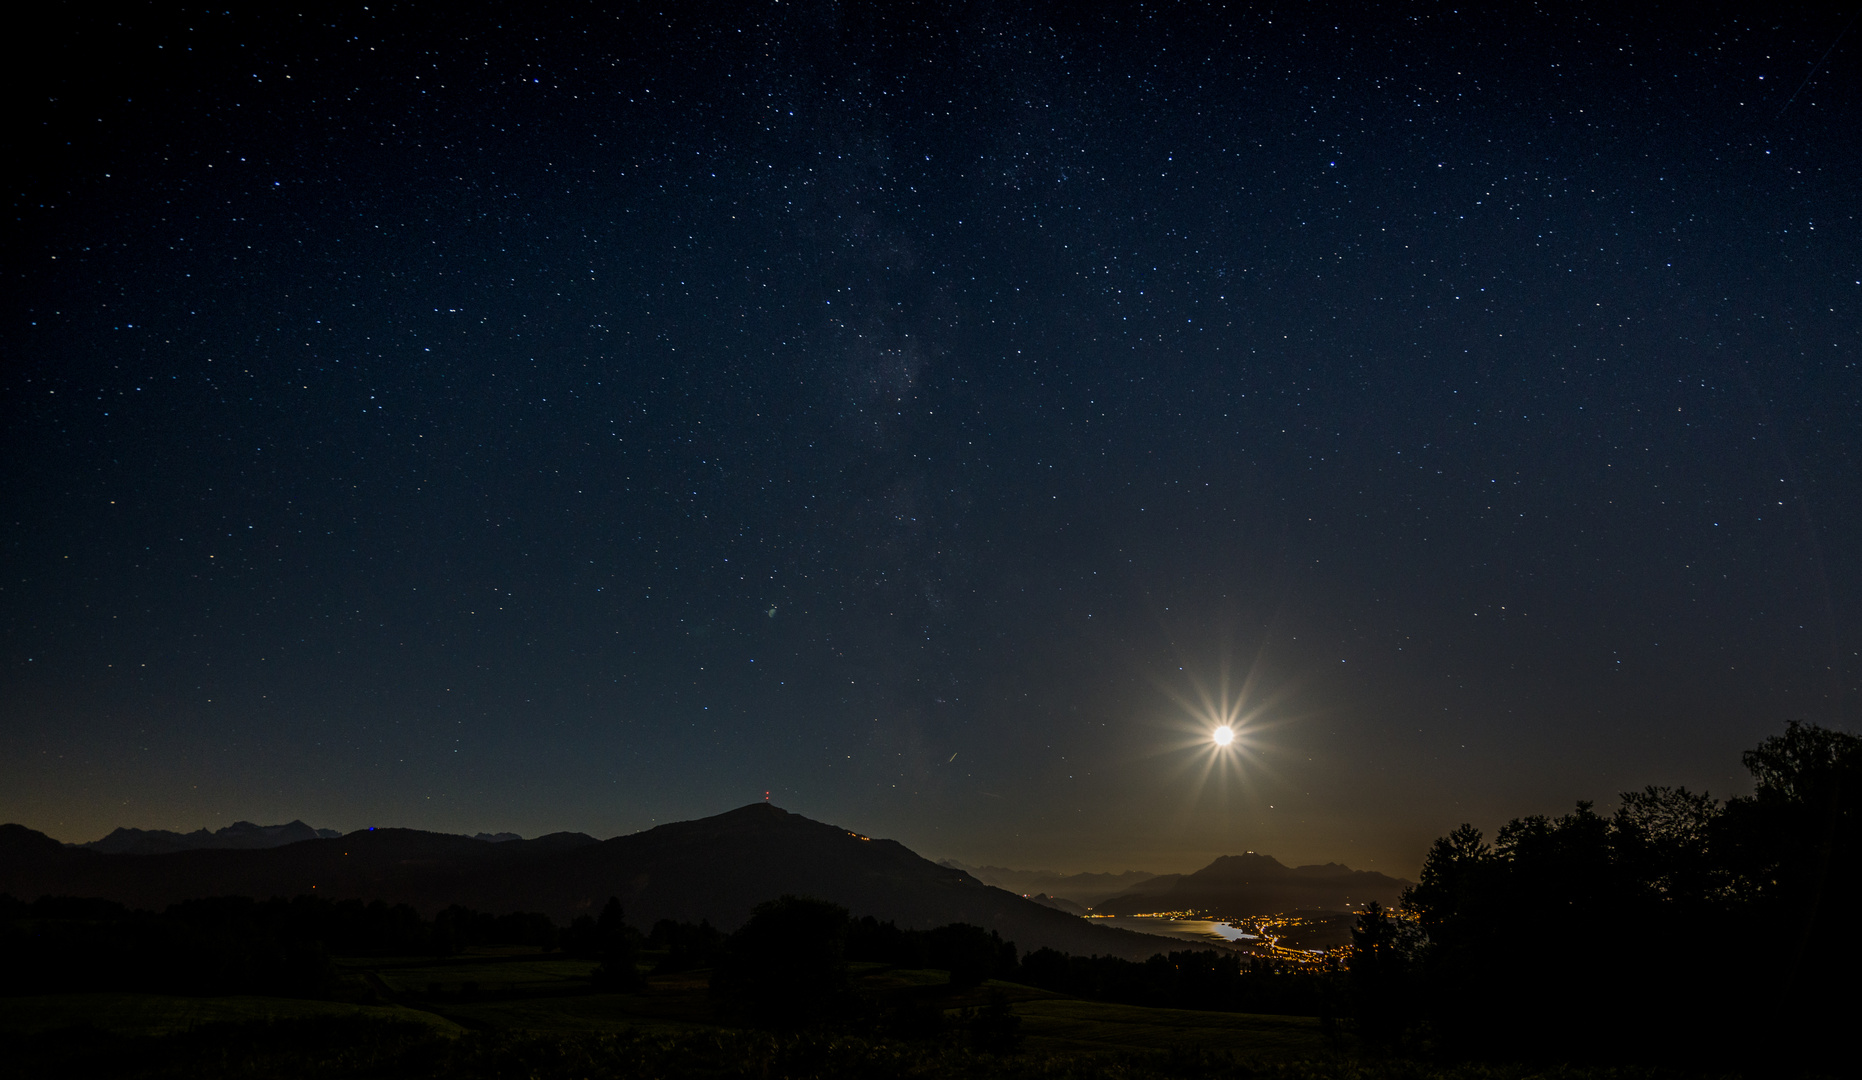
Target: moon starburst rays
x=1222, y=735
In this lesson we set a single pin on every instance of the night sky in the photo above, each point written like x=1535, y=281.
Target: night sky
x=533, y=419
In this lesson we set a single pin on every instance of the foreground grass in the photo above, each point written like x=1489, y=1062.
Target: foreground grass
x=360, y=1045
x=502, y=972
x=1068, y=1025
x=541, y=996
x=1051, y=1024
x=162, y=1014
x=516, y=1014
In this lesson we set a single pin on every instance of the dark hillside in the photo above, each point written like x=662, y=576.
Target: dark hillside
x=715, y=868
x=720, y=867
x=28, y=847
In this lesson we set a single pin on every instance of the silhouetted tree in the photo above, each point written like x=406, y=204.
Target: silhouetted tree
x=970, y=953
x=617, y=946
x=884, y=943
x=1794, y=851
x=1661, y=835
x=786, y=965
x=1379, y=977
x=688, y=946
x=458, y=927
x=1503, y=922
x=580, y=939
x=1652, y=894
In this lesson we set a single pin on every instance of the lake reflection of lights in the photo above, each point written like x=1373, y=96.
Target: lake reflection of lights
x=1186, y=927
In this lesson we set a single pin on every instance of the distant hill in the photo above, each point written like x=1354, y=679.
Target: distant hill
x=20, y=846
x=716, y=868
x=1059, y=903
x=1241, y=885
x=240, y=835
x=1083, y=889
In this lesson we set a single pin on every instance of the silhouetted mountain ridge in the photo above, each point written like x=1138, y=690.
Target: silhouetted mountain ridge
x=1059, y=903
x=242, y=835
x=715, y=868
x=1255, y=884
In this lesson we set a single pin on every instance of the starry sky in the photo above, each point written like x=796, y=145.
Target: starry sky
x=543, y=417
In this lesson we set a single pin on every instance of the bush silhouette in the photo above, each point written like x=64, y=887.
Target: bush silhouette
x=617, y=946
x=786, y=966
x=688, y=945
x=970, y=953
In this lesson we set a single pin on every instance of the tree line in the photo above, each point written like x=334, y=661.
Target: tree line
x=231, y=944
x=1679, y=929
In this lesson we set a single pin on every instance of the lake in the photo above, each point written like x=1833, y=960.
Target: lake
x=1201, y=931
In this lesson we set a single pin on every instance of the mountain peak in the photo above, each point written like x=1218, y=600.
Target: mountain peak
x=1257, y=884
x=1251, y=862
x=769, y=808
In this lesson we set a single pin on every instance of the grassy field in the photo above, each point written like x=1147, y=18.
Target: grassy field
x=517, y=992
x=503, y=972
x=161, y=1014
x=530, y=1020
x=1069, y=1025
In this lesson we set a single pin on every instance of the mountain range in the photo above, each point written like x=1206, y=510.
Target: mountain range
x=1084, y=890
x=715, y=868
x=1235, y=886
x=240, y=835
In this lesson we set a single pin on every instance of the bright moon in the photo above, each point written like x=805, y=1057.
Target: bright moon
x=1224, y=735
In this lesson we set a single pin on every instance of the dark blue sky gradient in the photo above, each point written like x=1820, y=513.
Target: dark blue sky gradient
x=583, y=420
